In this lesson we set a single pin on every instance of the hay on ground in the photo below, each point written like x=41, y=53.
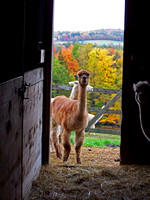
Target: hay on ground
x=98, y=177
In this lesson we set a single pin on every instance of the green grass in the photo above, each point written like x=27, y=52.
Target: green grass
x=100, y=140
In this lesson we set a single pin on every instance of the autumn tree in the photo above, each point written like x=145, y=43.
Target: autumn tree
x=83, y=54
x=101, y=64
x=106, y=74
x=65, y=57
x=60, y=76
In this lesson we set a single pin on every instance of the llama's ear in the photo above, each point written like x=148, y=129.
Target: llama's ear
x=134, y=87
x=76, y=82
x=148, y=82
x=90, y=73
x=71, y=83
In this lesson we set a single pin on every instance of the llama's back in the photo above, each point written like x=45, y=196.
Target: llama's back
x=62, y=108
x=65, y=113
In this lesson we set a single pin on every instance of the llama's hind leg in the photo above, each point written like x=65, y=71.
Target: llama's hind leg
x=79, y=138
x=55, y=138
x=66, y=145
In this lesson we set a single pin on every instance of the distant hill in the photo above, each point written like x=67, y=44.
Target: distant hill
x=101, y=34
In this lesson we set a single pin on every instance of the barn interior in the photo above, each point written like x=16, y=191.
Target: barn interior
x=25, y=92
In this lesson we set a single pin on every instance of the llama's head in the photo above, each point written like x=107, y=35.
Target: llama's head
x=75, y=85
x=142, y=92
x=83, y=77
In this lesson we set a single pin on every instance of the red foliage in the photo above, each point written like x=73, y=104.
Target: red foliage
x=69, y=60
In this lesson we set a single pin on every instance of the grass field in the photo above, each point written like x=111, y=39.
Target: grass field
x=99, y=140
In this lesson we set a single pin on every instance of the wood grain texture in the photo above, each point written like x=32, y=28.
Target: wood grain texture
x=10, y=142
x=32, y=128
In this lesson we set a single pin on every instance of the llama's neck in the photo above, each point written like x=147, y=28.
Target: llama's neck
x=82, y=99
x=144, y=112
x=74, y=93
x=144, y=118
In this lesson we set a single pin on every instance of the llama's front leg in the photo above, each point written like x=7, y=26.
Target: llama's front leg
x=66, y=145
x=56, y=144
x=79, y=138
x=55, y=138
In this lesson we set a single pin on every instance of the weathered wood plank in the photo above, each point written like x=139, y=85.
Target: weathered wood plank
x=10, y=142
x=29, y=178
x=100, y=90
x=61, y=87
x=11, y=188
x=30, y=160
x=105, y=91
x=32, y=133
x=104, y=131
x=34, y=76
x=32, y=128
x=102, y=111
x=10, y=155
x=92, y=109
x=9, y=89
x=31, y=151
x=33, y=108
x=34, y=96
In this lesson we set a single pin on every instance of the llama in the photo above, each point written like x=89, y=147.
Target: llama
x=74, y=96
x=72, y=115
x=75, y=89
x=142, y=97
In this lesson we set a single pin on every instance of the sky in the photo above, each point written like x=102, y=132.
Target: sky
x=85, y=15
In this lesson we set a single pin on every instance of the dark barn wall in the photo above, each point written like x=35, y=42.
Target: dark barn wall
x=135, y=147
x=12, y=28
x=24, y=124
x=22, y=30
x=33, y=32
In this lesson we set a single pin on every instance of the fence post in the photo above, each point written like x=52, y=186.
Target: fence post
x=103, y=110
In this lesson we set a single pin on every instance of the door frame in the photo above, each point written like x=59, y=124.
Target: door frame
x=48, y=46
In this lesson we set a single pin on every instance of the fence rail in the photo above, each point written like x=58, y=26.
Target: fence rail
x=100, y=111
x=100, y=90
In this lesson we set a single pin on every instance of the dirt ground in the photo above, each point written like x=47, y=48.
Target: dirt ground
x=99, y=177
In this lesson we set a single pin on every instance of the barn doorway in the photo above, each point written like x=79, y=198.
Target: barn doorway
x=93, y=181
x=80, y=44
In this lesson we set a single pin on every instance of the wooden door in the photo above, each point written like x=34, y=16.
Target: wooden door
x=21, y=117
x=20, y=134
x=10, y=140
x=135, y=147
x=32, y=127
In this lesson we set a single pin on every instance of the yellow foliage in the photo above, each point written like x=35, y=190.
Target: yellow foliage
x=111, y=118
x=101, y=64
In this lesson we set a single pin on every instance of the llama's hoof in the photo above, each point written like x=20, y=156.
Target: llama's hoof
x=65, y=159
x=59, y=155
x=78, y=161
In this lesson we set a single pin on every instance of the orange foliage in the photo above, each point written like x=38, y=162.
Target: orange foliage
x=69, y=60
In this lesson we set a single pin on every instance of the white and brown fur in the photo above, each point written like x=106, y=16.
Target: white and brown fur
x=142, y=97
x=72, y=115
x=74, y=96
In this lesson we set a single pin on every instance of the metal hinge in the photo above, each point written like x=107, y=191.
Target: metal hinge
x=41, y=53
x=22, y=90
